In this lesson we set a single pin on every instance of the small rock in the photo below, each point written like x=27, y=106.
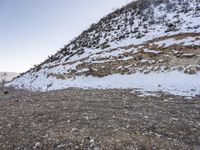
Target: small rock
x=6, y=92
x=74, y=129
x=37, y=145
x=76, y=147
x=92, y=141
x=191, y=70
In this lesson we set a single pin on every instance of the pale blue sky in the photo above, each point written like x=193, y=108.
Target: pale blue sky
x=30, y=30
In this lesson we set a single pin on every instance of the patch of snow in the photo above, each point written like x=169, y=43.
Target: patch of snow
x=147, y=61
x=147, y=93
x=174, y=82
x=172, y=41
x=151, y=51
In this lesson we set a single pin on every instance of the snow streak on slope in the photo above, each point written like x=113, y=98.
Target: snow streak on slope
x=146, y=38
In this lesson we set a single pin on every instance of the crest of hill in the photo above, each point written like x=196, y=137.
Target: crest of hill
x=85, y=41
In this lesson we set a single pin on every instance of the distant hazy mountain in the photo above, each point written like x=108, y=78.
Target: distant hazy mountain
x=8, y=76
x=148, y=44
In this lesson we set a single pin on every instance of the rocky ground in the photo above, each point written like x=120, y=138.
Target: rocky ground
x=97, y=119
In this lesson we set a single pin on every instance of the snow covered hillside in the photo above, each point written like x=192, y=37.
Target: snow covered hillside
x=148, y=44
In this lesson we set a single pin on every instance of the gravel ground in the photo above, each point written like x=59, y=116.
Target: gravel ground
x=97, y=119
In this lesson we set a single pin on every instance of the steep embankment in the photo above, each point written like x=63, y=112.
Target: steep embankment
x=149, y=44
